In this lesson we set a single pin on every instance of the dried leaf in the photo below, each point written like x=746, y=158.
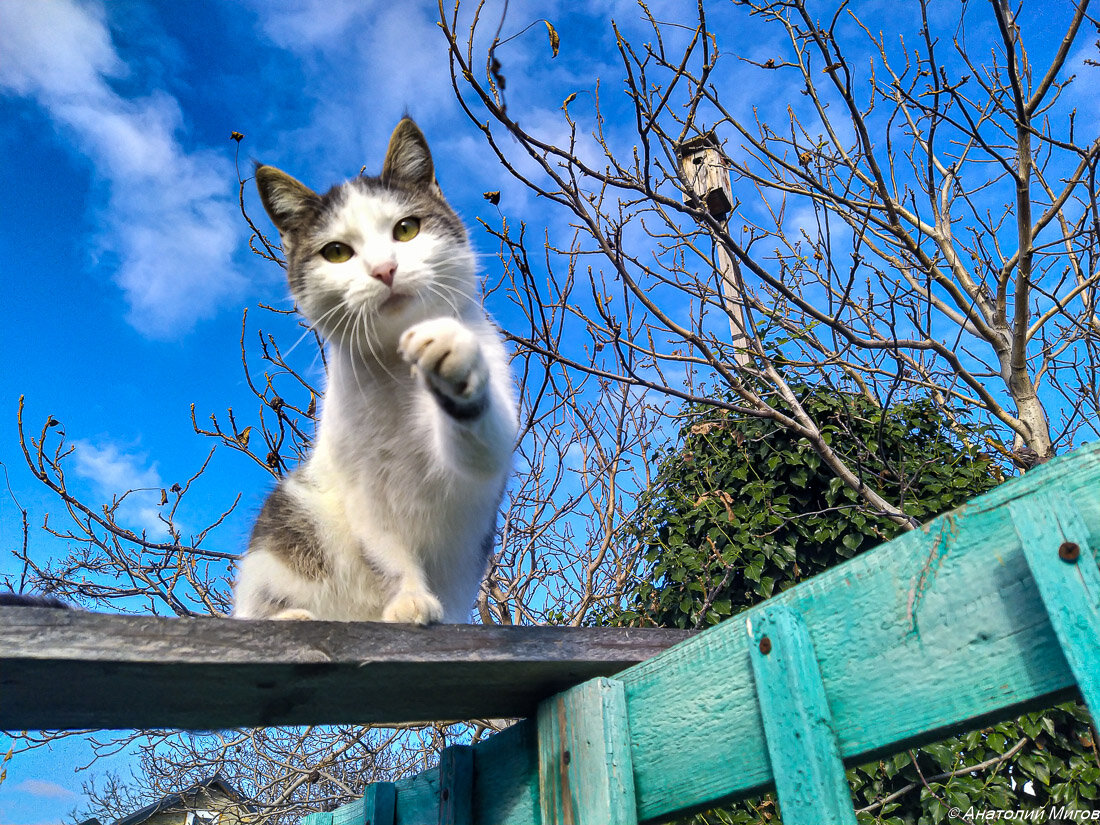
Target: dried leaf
x=492, y=197
x=569, y=100
x=555, y=41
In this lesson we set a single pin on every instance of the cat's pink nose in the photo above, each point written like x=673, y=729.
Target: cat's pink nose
x=384, y=272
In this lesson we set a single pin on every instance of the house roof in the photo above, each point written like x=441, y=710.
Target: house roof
x=172, y=800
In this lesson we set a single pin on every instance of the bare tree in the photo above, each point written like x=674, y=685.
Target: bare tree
x=913, y=214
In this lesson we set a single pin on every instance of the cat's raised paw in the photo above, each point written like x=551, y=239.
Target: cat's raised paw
x=412, y=607
x=449, y=356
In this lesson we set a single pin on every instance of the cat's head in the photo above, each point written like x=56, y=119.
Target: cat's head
x=376, y=254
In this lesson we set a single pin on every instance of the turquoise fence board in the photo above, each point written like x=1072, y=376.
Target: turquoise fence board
x=805, y=759
x=318, y=819
x=1056, y=545
x=378, y=804
x=585, y=773
x=953, y=603
x=456, y=785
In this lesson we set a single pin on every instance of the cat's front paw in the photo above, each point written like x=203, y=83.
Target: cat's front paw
x=449, y=356
x=413, y=607
x=294, y=615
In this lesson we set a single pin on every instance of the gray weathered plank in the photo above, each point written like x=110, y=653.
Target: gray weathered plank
x=68, y=669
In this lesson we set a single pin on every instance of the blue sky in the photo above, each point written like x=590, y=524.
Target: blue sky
x=124, y=261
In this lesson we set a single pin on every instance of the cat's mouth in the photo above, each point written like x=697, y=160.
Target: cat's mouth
x=395, y=302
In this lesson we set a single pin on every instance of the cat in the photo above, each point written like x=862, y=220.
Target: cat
x=392, y=517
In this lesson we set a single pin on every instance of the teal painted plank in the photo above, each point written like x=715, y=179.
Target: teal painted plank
x=350, y=814
x=951, y=604
x=379, y=803
x=505, y=783
x=1056, y=544
x=324, y=818
x=585, y=774
x=803, y=751
x=376, y=807
x=456, y=785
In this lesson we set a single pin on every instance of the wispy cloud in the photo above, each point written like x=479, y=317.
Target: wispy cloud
x=368, y=62
x=170, y=219
x=113, y=471
x=43, y=789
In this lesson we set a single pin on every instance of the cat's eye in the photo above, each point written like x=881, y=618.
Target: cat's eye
x=406, y=229
x=336, y=252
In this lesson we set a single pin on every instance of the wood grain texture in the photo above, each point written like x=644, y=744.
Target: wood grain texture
x=804, y=757
x=378, y=804
x=1069, y=587
x=456, y=785
x=937, y=631
x=585, y=775
x=68, y=669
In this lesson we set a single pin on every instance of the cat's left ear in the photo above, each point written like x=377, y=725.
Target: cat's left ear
x=408, y=158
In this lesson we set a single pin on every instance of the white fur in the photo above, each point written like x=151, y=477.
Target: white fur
x=405, y=491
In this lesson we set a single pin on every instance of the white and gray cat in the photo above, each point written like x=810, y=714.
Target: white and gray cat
x=393, y=515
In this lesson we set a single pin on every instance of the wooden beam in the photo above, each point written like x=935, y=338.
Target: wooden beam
x=65, y=669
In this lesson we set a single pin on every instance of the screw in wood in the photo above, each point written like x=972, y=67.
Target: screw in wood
x=765, y=645
x=1069, y=552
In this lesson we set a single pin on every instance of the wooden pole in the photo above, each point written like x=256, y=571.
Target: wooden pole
x=702, y=164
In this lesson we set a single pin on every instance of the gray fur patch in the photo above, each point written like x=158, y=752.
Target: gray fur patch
x=286, y=529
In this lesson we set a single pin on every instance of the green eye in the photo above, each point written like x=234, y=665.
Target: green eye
x=406, y=229
x=336, y=252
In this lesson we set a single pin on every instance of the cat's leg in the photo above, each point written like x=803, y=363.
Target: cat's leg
x=265, y=589
x=465, y=370
x=410, y=599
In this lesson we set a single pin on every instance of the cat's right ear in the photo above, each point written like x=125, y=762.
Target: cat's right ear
x=288, y=203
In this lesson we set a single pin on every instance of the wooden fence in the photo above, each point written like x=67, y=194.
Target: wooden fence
x=978, y=616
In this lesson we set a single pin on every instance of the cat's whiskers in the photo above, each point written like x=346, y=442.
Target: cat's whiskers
x=371, y=339
x=311, y=328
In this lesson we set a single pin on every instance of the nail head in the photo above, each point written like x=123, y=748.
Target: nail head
x=1069, y=552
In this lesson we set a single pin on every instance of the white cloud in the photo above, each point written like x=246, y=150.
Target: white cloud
x=367, y=63
x=113, y=471
x=43, y=789
x=171, y=216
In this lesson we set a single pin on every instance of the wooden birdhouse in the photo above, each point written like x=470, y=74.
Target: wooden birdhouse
x=705, y=167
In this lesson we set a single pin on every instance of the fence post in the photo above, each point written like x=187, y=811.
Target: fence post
x=802, y=745
x=456, y=785
x=1055, y=542
x=586, y=776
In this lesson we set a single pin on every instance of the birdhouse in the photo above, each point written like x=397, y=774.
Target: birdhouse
x=705, y=167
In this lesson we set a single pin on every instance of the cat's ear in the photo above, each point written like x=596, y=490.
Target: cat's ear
x=289, y=203
x=408, y=158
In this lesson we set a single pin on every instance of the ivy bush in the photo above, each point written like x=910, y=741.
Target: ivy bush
x=741, y=509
